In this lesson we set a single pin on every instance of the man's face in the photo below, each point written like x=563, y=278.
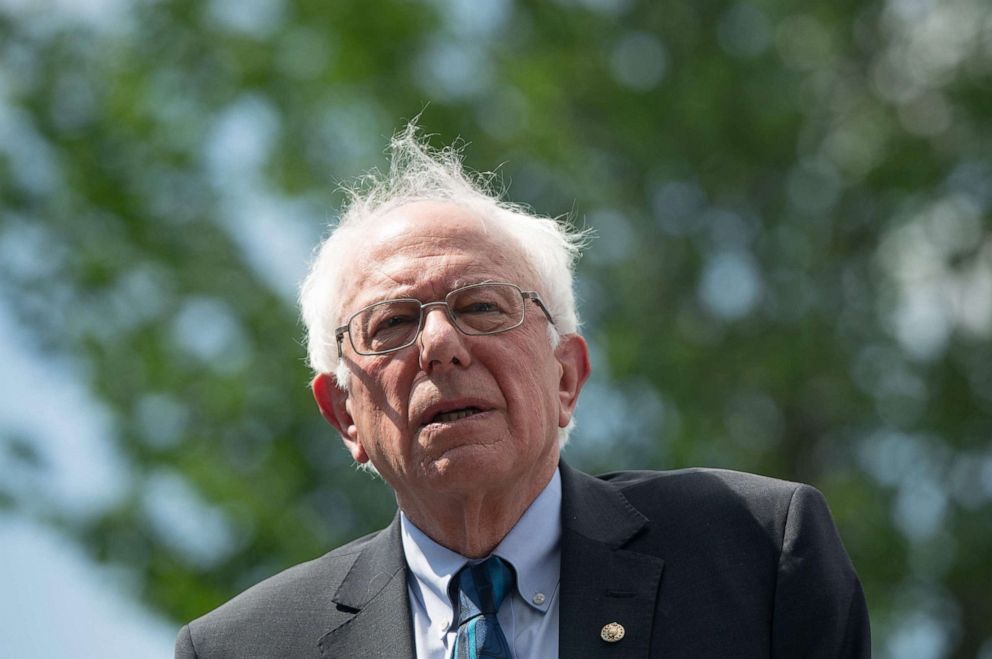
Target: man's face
x=403, y=408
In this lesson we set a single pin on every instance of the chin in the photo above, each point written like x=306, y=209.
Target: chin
x=470, y=464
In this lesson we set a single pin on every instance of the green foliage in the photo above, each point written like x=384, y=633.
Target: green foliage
x=793, y=273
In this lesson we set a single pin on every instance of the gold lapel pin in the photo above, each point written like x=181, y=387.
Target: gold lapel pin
x=612, y=632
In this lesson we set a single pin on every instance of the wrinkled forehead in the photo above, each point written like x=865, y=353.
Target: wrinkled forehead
x=424, y=250
x=423, y=223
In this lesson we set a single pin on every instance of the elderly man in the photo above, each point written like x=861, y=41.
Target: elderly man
x=444, y=337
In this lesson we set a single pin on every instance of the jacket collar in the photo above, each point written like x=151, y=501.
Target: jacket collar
x=373, y=605
x=602, y=581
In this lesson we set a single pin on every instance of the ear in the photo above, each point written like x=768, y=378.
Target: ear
x=334, y=407
x=573, y=359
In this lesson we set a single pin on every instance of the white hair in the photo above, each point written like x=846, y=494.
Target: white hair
x=418, y=173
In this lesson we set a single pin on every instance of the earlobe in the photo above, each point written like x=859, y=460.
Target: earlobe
x=573, y=359
x=334, y=406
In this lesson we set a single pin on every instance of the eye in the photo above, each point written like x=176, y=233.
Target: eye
x=479, y=306
x=393, y=323
x=386, y=325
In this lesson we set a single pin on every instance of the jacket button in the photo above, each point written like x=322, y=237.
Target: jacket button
x=612, y=632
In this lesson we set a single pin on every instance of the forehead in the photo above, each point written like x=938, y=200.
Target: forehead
x=425, y=249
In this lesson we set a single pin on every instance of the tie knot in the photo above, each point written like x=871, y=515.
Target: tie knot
x=482, y=587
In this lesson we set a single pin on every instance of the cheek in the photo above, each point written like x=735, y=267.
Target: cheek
x=532, y=376
x=386, y=394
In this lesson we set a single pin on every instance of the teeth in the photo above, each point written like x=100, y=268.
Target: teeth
x=455, y=415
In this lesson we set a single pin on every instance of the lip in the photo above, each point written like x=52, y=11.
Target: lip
x=443, y=407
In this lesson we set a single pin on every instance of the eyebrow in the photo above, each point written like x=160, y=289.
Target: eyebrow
x=407, y=292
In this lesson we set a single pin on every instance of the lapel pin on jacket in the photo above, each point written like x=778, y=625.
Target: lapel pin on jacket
x=612, y=632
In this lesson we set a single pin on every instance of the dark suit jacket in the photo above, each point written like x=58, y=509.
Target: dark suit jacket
x=695, y=563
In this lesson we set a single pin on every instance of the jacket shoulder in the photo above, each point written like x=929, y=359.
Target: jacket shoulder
x=709, y=499
x=702, y=482
x=288, y=610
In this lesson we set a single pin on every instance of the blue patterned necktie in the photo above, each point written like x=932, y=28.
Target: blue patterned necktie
x=481, y=589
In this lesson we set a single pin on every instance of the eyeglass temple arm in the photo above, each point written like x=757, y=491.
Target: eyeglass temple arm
x=339, y=336
x=532, y=295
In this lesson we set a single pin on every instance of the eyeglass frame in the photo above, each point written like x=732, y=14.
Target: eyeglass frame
x=339, y=332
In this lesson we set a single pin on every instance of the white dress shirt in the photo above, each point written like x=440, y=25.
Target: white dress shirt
x=528, y=615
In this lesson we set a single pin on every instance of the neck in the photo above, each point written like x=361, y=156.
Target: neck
x=472, y=523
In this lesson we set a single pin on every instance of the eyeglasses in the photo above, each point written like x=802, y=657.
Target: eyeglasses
x=476, y=310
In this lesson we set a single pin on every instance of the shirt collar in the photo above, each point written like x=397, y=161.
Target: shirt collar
x=531, y=546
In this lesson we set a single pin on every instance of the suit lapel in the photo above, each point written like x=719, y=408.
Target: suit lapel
x=601, y=582
x=373, y=606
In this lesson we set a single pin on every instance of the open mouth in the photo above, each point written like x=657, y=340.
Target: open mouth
x=454, y=415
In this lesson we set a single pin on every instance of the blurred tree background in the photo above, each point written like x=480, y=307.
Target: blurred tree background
x=792, y=275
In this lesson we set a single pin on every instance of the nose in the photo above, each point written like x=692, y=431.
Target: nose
x=441, y=344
